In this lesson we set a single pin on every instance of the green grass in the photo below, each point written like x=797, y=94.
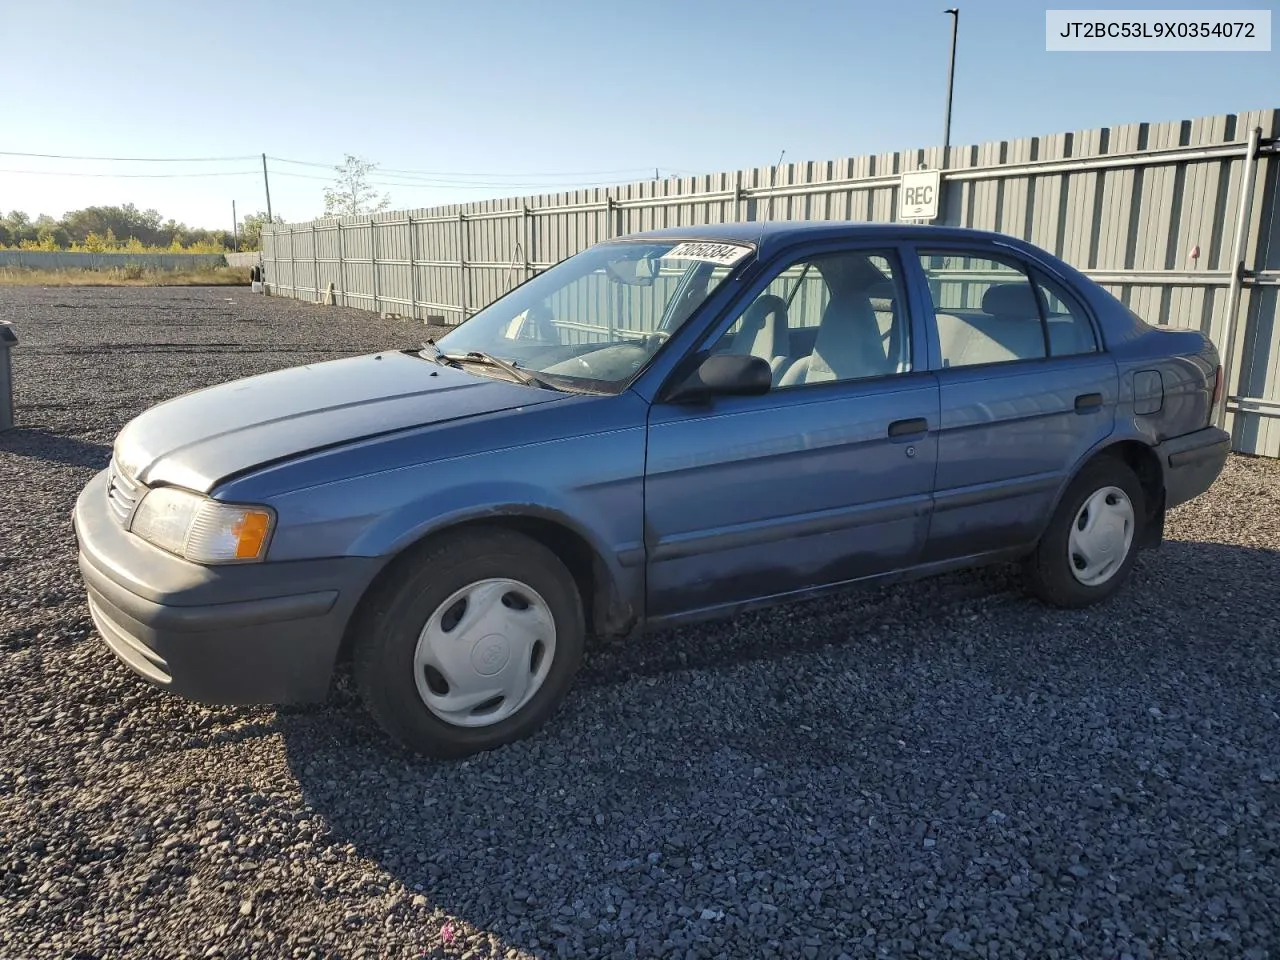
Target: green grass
x=132, y=275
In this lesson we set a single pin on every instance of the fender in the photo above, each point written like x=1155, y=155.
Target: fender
x=1126, y=431
x=618, y=567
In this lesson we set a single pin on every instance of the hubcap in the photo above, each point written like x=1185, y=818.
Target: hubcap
x=1100, y=536
x=484, y=652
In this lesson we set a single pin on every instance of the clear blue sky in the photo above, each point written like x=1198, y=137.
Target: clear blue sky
x=520, y=93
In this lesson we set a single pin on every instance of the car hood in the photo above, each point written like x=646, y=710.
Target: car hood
x=201, y=438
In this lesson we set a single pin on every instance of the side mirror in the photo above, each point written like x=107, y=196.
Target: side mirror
x=725, y=375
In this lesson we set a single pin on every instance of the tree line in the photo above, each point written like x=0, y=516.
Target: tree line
x=126, y=228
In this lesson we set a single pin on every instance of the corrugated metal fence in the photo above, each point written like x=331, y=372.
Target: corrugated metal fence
x=1156, y=212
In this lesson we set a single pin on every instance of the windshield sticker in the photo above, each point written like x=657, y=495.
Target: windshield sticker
x=722, y=253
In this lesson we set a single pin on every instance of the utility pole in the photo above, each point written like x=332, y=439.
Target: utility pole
x=235, y=229
x=266, y=184
x=951, y=82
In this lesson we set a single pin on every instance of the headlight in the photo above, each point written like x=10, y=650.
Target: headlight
x=203, y=530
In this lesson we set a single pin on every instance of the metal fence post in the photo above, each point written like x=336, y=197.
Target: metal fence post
x=462, y=265
x=266, y=243
x=610, y=229
x=413, y=269
x=373, y=258
x=342, y=266
x=527, y=221
x=1238, y=252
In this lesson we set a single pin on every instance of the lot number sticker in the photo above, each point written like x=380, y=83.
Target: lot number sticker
x=722, y=253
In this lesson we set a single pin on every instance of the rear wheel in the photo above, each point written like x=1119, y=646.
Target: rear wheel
x=1090, y=545
x=471, y=643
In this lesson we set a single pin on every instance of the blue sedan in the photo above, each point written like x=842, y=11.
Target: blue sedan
x=666, y=427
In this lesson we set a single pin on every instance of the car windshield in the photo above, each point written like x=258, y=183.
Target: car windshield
x=592, y=322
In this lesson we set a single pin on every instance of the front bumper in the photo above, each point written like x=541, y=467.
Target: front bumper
x=1192, y=462
x=263, y=633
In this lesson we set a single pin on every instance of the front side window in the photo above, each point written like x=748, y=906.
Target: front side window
x=831, y=317
x=992, y=311
x=595, y=320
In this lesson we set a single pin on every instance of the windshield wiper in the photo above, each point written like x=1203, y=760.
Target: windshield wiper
x=436, y=355
x=479, y=356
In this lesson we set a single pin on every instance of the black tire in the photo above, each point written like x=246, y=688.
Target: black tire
x=393, y=618
x=1048, y=572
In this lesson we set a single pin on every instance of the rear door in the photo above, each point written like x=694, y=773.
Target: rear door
x=1026, y=391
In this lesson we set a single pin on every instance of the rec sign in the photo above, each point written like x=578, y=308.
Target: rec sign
x=918, y=195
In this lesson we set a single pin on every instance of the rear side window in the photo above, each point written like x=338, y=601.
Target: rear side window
x=991, y=310
x=1070, y=333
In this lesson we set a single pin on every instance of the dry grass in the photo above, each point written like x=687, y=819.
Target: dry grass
x=132, y=275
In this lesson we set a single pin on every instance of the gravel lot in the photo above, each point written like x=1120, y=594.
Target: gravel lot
x=943, y=769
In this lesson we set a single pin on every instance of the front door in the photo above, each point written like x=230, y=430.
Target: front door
x=825, y=479
x=1026, y=393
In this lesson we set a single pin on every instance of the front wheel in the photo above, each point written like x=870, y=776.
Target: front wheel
x=471, y=643
x=1090, y=545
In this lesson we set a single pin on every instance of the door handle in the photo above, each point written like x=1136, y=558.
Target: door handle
x=1088, y=402
x=908, y=428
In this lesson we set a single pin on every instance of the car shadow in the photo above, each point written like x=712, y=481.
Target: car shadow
x=41, y=444
x=550, y=844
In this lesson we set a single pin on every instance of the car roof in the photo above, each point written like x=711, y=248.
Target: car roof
x=775, y=234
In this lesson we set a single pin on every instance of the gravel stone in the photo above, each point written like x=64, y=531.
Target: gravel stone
x=1099, y=783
